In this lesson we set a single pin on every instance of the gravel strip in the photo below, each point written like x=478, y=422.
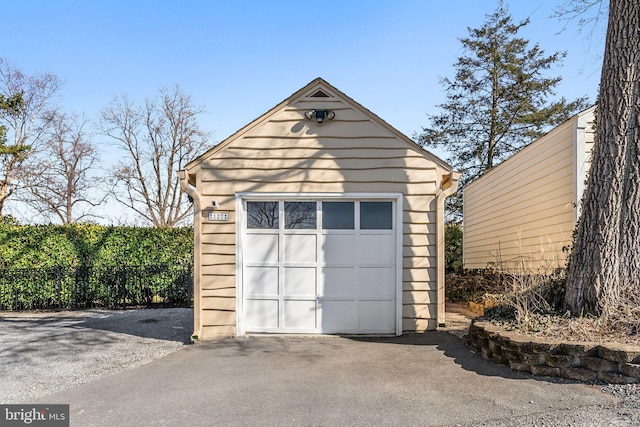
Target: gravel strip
x=588, y=416
x=627, y=413
x=42, y=353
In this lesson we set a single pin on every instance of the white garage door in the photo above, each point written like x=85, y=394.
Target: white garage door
x=322, y=266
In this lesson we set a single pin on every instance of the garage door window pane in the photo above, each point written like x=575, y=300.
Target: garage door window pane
x=376, y=216
x=300, y=215
x=337, y=216
x=262, y=215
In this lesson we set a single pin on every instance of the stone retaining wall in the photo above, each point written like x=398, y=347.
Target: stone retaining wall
x=583, y=361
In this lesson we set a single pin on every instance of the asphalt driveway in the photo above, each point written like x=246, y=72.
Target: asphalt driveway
x=429, y=379
x=134, y=368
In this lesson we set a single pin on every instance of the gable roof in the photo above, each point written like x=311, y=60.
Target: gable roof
x=317, y=88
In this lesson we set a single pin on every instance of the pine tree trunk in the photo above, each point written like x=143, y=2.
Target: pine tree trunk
x=605, y=264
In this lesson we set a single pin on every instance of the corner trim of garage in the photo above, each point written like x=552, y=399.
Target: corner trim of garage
x=189, y=188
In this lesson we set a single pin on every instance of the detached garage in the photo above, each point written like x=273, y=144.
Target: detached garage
x=318, y=217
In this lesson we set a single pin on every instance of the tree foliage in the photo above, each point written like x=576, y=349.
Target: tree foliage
x=453, y=247
x=10, y=105
x=157, y=139
x=603, y=272
x=498, y=102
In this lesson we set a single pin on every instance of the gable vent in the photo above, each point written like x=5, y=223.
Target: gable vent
x=319, y=94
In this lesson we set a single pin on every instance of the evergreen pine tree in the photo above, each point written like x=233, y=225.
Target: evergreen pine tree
x=498, y=101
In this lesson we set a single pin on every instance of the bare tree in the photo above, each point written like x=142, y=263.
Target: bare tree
x=23, y=125
x=59, y=178
x=606, y=260
x=157, y=139
x=589, y=14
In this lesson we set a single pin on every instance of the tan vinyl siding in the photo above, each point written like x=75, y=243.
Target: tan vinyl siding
x=419, y=297
x=522, y=211
x=298, y=159
x=228, y=291
x=326, y=176
x=418, y=324
x=286, y=153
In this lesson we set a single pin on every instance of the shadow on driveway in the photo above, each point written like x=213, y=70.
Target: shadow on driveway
x=453, y=347
x=173, y=324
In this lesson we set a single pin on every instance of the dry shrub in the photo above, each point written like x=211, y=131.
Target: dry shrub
x=531, y=296
x=621, y=312
x=471, y=285
x=532, y=301
x=532, y=287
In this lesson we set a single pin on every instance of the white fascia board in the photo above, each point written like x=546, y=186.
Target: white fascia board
x=579, y=161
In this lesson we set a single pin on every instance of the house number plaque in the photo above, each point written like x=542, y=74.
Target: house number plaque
x=218, y=216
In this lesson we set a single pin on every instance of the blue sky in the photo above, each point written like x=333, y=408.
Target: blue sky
x=240, y=58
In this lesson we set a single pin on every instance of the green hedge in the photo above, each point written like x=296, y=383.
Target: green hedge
x=43, y=246
x=85, y=265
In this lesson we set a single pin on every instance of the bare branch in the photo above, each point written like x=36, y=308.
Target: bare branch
x=156, y=138
x=59, y=179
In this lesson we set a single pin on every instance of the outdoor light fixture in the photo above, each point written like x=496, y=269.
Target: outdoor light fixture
x=320, y=115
